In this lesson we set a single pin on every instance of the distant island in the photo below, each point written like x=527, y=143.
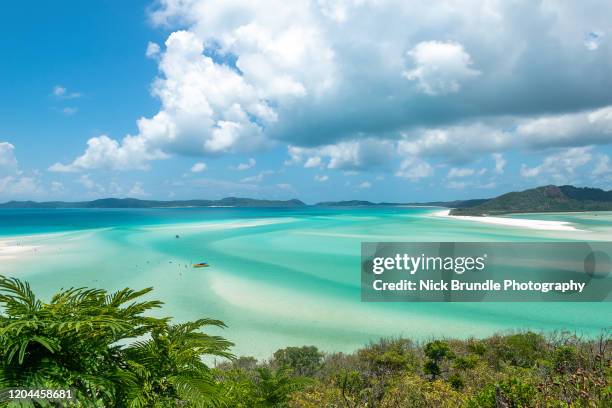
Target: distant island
x=136, y=203
x=541, y=199
x=224, y=202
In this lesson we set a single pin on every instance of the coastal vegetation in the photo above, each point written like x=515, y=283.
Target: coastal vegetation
x=543, y=199
x=109, y=350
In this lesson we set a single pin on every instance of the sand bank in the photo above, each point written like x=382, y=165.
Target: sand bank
x=222, y=225
x=11, y=249
x=513, y=222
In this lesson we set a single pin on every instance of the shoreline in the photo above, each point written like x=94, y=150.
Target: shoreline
x=542, y=225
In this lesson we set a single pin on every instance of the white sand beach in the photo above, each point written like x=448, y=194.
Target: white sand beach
x=513, y=222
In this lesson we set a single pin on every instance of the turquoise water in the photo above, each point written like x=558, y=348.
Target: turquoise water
x=279, y=277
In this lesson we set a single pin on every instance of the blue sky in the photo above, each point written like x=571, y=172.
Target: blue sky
x=318, y=100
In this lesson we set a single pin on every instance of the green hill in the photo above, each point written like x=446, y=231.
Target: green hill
x=543, y=199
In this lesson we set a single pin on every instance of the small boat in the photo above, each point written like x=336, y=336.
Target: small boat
x=201, y=265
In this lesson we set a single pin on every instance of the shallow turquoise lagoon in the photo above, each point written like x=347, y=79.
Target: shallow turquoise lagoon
x=279, y=277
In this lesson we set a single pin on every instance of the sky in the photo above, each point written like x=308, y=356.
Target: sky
x=382, y=100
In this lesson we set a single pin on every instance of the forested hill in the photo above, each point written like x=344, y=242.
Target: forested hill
x=543, y=199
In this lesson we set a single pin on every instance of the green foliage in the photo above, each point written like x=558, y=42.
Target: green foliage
x=259, y=386
x=416, y=392
x=303, y=361
x=511, y=393
x=543, y=199
x=466, y=362
x=106, y=348
x=520, y=350
x=83, y=339
x=436, y=351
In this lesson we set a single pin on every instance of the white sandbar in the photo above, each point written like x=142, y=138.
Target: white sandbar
x=513, y=222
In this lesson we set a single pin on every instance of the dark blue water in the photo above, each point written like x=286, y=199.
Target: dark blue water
x=34, y=221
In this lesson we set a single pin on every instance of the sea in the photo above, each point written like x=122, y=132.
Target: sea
x=280, y=277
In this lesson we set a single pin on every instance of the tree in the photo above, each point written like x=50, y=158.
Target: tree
x=303, y=361
x=168, y=368
x=435, y=352
x=82, y=339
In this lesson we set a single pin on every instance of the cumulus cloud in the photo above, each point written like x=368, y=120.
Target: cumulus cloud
x=440, y=67
x=364, y=185
x=321, y=178
x=572, y=129
x=13, y=182
x=207, y=108
x=198, y=167
x=234, y=77
x=348, y=155
x=19, y=186
x=456, y=144
x=106, y=153
x=560, y=167
x=414, y=169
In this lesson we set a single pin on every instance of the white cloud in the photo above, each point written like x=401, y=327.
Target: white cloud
x=198, y=167
x=258, y=178
x=207, y=108
x=440, y=67
x=8, y=161
x=104, y=152
x=13, y=182
x=284, y=186
x=572, y=129
x=326, y=76
x=321, y=178
x=152, y=50
x=460, y=172
x=500, y=163
x=245, y=166
x=365, y=184
x=348, y=155
x=560, y=167
x=61, y=92
x=87, y=182
x=137, y=190
x=314, y=161
x=19, y=186
x=414, y=169
x=455, y=144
